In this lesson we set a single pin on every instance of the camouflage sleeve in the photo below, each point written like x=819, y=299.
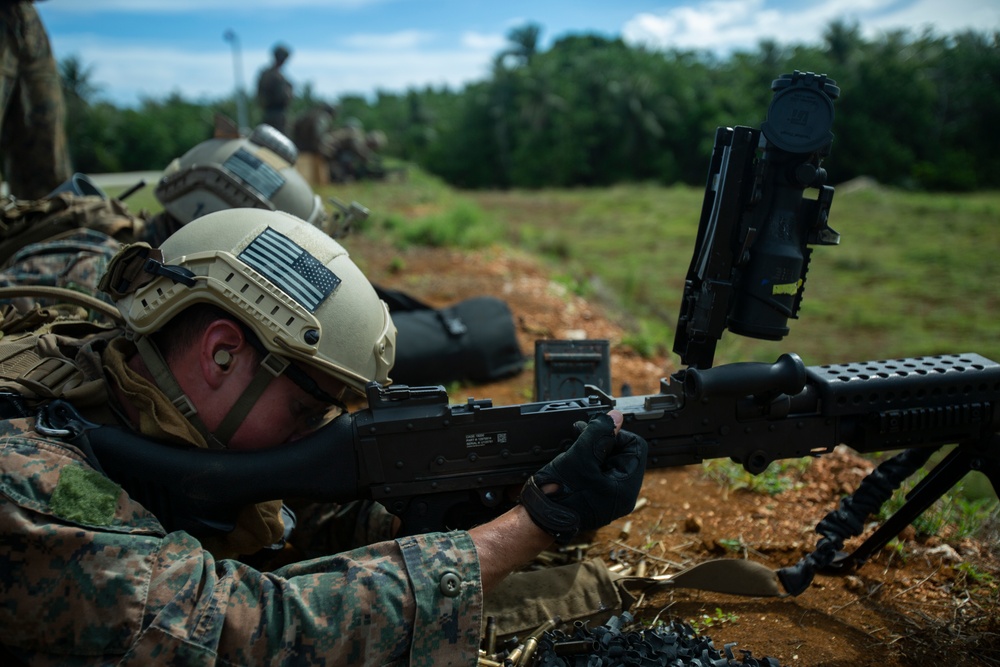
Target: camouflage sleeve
x=89, y=572
x=327, y=528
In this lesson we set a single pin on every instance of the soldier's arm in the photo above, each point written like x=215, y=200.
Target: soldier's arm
x=104, y=579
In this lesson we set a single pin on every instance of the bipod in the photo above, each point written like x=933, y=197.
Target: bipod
x=849, y=519
x=981, y=455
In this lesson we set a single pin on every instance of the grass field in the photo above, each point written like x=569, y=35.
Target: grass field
x=914, y=274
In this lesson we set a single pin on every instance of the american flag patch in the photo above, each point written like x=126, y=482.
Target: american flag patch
x=299, y=274
x=254, y=172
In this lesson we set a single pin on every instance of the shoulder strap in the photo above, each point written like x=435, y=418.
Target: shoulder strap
x=63, y=294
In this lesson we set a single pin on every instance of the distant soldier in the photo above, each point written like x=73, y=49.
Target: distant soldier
x=32, y=110
x=274, y=91
x=355, y=153
x=311, y=135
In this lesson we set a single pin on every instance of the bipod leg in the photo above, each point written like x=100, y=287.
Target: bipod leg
x=965, y=457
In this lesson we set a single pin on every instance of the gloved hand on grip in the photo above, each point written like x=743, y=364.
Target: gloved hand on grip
x=599, y=479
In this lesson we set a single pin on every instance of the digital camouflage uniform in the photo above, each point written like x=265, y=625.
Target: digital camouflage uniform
x=75, y=260
x=91, y=577
x=67, y=241
x=32, y=110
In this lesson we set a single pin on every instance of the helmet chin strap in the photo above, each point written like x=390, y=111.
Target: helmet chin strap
x=271, y=366
x=167, y=383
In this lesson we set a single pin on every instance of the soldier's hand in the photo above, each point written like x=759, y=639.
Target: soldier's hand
x=598, y=478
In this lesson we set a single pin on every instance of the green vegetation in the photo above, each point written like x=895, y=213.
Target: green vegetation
x=706, y=621
x=915, y=112
x=914, y=273
x=963, y=513
x=780, y=475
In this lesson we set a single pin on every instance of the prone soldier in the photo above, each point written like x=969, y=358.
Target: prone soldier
x=245, y=330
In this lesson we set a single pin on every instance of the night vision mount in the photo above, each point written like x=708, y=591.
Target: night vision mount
x=748, y=270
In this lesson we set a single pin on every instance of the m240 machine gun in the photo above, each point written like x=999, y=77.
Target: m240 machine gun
x=440, y=466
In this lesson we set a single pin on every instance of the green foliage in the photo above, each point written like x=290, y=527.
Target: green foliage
x=780, y=476
x=971, y=576
x=706, y=621
x=916, y=111
x=649, y=338
x=961, y=513
x=463, y=226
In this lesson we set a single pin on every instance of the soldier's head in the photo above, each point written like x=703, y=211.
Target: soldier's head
x=281, y=53
x=262, y=320
x=252, y=172
x=376, y=140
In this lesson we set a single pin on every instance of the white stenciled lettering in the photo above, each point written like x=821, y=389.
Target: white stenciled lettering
x=483, y=439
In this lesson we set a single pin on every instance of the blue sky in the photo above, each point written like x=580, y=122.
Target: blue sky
x=152, y=48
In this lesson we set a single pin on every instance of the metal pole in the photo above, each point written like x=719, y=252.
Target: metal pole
x=241, y=100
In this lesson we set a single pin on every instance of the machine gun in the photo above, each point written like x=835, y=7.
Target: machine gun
x=440, y=466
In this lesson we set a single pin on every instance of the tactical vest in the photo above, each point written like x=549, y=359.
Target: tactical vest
x=45, y=363
x=24, y=222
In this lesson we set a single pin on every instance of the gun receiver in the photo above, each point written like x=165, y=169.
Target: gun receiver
x=470, y=454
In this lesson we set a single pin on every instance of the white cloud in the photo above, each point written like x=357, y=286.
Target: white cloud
x=406, y=39
x=724, y=25
x=181, y=6
x=478, y=41
x=332, y=73
x=128, y=73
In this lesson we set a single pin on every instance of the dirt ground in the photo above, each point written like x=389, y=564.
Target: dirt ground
x=928, y=602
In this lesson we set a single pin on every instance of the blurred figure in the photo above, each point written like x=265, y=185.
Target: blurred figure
x=355, y=153
x=32, y=110
x=274, y=91
x=311, y=136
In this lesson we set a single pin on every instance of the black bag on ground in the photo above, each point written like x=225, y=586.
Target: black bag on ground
x=474, y=340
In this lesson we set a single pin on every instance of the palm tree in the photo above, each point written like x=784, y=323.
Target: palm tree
x=76, y=80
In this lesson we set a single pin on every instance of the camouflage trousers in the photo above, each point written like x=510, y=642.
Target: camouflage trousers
x=32, y=110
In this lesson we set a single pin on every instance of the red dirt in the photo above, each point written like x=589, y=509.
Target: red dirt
x=913, y=605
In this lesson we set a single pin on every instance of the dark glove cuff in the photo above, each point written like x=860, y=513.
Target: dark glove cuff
x=558, y=521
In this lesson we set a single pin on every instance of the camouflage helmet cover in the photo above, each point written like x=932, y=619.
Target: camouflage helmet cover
x=253, y=172
x=292, y=285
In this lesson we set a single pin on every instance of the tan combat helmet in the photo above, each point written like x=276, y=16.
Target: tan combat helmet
x=287, y=282
x=253, y=172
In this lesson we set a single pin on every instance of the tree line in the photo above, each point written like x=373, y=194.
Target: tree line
x=916, y=111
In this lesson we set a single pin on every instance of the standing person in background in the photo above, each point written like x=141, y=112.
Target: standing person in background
x=32, y=111
x=274, y=91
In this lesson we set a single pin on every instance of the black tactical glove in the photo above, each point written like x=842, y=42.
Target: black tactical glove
x=599, y=478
